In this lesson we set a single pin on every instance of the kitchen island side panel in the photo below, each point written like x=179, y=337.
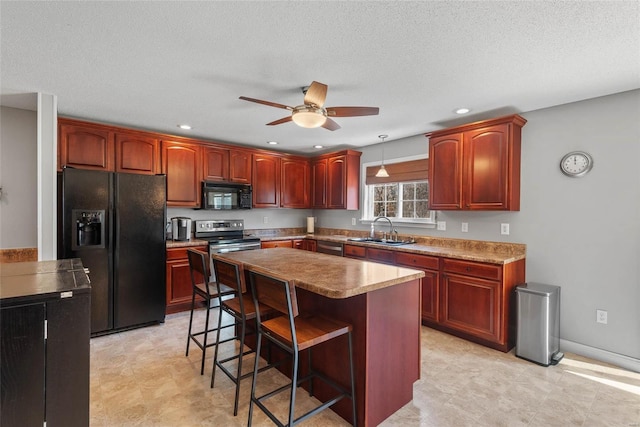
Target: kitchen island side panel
x=386, y=349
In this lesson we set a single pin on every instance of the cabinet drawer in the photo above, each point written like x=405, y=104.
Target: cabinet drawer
x=476, y=269
x=181, y=253
x=413, y=260
x=381, y=255
x=277, y=244
x=355, y=251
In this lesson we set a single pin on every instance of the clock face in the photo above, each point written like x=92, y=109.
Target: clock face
x=576, y=163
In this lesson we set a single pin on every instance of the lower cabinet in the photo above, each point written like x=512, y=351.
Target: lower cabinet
x=305, y=244
x=430, y=289
x=179, y=289
x=473, y=300
x=45, y=367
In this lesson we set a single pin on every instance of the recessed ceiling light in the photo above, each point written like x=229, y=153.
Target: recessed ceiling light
x=462, y=110
x=184, y=126
x=272, y=142
x=318, y=146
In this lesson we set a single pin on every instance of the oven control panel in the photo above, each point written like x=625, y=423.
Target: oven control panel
x=217, y=225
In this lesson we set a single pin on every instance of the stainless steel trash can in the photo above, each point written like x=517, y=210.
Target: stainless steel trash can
x=538, y=328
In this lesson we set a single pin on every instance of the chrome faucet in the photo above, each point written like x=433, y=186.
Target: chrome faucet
x=391, y=229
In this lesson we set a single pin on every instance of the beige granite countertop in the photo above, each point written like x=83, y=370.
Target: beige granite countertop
x=326, y=275
x=186, y=243
x=469, y=250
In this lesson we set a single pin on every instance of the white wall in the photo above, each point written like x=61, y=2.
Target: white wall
x=581, y=234
x=18, y=176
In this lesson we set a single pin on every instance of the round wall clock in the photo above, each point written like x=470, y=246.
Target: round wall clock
x=576, y=163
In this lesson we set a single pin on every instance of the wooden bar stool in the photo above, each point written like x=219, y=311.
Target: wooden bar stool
x=211, y=292
x=294, y=333
x=242, y=308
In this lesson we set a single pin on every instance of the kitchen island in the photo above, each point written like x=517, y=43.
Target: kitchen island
x=382, y=302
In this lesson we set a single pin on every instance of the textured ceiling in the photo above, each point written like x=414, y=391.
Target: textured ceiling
x=156, y=64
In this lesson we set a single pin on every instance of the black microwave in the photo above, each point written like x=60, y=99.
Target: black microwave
x=225, y=196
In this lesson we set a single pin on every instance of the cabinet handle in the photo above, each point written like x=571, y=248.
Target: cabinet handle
x=468, y=268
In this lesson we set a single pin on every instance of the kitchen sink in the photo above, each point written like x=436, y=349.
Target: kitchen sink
x=380, y=241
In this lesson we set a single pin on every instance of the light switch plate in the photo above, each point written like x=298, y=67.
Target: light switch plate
x=465, y=227
x=504, y=228
x=442, y=225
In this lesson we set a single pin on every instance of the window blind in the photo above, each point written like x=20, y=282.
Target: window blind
x=413, y=170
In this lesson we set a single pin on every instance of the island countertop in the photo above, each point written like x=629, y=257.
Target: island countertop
x=326, y=275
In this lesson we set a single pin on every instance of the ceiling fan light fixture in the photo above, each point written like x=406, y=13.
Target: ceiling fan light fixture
x=308, y=117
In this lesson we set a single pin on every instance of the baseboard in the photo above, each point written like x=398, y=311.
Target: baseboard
x=620, y=360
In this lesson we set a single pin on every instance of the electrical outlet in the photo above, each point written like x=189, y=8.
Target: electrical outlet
x=265, y=219
x=601, y=316
x=442, y=225
x=504, y=228
x=465, y=227
x=353, y=221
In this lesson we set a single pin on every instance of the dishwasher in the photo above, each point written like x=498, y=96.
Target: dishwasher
x=331, y=248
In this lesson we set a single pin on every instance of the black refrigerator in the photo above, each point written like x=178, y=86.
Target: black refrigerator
x=115, y=223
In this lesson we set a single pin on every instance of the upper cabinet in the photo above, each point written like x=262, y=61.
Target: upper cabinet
x=476, y=166
x=294, y=183
x=136, y=153
x=215, y=164
x=266, y=181
x=181, y=163
x=240, y=166
x=336, y=180
x=85, y=146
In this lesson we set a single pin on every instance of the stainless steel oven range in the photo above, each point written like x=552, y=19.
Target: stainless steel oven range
x=225, y=235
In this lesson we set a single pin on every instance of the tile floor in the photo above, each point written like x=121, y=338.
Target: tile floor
x=142, y=378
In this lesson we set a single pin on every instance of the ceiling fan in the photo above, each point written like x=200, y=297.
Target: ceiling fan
x=312, y=113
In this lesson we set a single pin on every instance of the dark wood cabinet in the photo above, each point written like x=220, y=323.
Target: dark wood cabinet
x=430, y=282
x=86, y=146
x=215, y=164
x=240, y=166
x=137, y=153
x=336, y=180
x=266, y=181
x=181, y=162
x=295, y=183
x=353, y=251
x=179, y=288
x=44, y=344
x=476, y=166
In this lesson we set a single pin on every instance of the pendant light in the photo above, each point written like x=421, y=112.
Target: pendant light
x=382, y=172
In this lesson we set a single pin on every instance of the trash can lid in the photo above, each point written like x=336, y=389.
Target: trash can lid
x=537, y=288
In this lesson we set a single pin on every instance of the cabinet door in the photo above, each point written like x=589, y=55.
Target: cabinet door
x=445, y=172
x=353, y=251
x=319, y=184
x=181, y=164
x=215, y=164
x=336, y=182
x=430, y=284
x=486, y=153
x=472, y=305
x=240, y=166
x=86, y=147
x=137, y=154
x=179, y=289
x=266, y=181
x=294, y=183
x=22, y=365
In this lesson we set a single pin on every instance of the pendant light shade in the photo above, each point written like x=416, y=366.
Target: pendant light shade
x=382, y=172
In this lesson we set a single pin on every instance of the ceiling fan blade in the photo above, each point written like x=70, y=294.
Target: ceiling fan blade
x=316, y=94
x=280, y=121
x=269, y=103
x=352, y=111
x=330, y=124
